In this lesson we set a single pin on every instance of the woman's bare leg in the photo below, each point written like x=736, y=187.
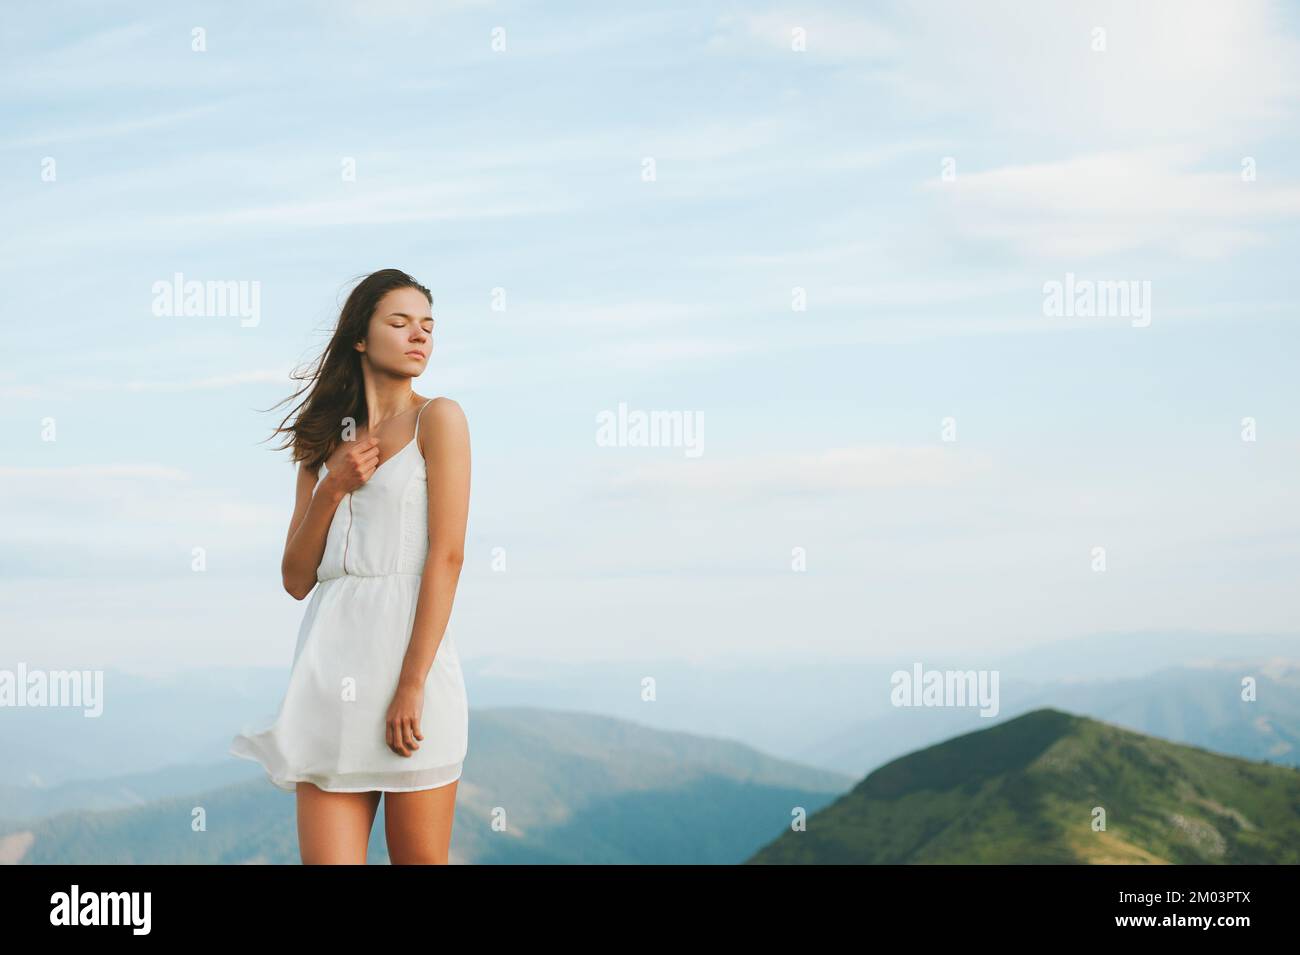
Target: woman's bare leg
x=334, y=828
x=418, y=825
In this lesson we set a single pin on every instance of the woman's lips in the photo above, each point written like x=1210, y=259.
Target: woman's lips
x=415, y=353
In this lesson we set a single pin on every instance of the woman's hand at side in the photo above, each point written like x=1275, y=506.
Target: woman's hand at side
x=402, y=724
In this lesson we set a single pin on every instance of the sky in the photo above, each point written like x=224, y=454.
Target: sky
x=822, y=233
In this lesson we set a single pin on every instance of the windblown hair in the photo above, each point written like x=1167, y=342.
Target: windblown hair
x=333, y=382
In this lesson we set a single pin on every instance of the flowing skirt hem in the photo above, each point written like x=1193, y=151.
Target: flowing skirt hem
x=286, y=779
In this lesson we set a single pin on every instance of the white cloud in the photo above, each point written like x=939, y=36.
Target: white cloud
x=543, y=316
x=444, y=201
x=650, y=353
x=825, y=34
x=53, y=389
x=111, y=130
x=63, y=500
x=1115, y=202
x=833, y=470
x=891, y=292
x=276, y=375
x=92, y=472
x=1173, y=70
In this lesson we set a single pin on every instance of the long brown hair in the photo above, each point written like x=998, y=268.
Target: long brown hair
x=334, y=379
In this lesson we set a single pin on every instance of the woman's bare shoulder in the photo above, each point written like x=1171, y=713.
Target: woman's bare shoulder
x=443, y=410
x=443, y=420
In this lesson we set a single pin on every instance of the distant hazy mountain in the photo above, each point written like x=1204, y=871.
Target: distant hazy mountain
x=119, y=791
x=569, y=787
x=818, y=713
x=1198, y=705
x=148, y=723
x=1025, y=791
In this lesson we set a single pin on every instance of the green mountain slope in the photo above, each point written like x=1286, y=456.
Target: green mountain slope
x=571, y=788
x=1024, y=791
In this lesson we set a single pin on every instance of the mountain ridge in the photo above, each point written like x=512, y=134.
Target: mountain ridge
x=1027, y=791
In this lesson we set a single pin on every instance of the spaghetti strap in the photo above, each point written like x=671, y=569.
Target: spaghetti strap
x=416, y=436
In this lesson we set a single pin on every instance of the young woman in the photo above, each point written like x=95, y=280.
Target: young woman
x=376, y=699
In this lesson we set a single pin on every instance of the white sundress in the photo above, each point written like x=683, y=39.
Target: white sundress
x=330, y=727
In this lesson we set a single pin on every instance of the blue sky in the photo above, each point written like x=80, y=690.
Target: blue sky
x=521, y=169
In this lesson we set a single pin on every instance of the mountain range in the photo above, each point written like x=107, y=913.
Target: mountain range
x=1050, y=787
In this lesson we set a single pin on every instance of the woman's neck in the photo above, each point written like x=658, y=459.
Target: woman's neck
x=388, y=399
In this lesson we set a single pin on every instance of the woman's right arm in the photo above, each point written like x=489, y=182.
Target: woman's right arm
x=313, y=512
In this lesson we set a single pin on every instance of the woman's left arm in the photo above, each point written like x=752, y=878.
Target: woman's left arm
x=444, y=441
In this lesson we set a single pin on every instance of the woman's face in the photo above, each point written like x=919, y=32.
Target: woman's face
x=401, y=333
